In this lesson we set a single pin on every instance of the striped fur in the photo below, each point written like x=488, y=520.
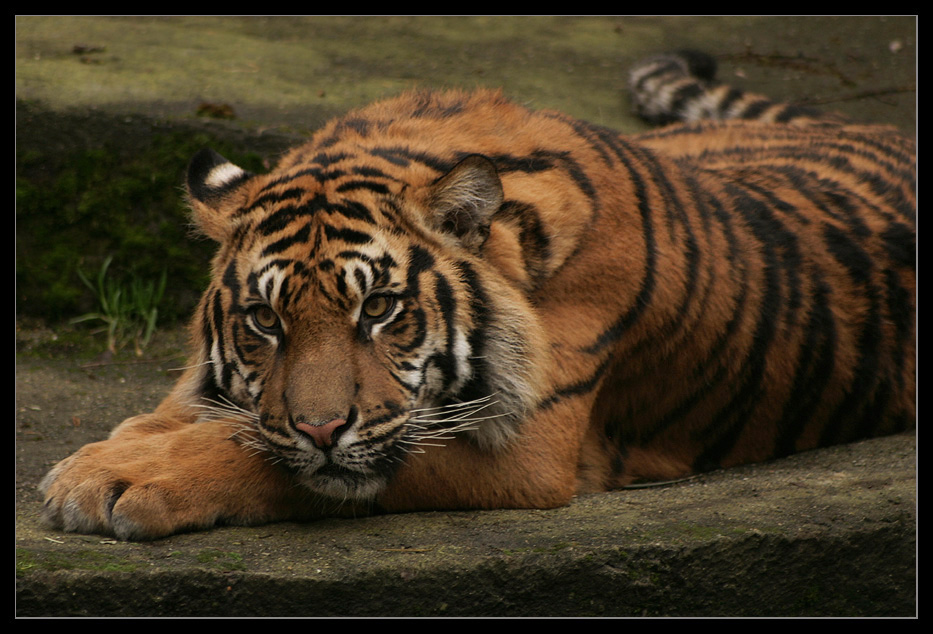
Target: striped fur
x=565, y=308
x=736, y=312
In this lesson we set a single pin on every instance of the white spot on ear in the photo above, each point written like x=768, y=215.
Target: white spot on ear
x=223, y=174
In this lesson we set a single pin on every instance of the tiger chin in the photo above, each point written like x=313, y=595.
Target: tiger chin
x=448, y=301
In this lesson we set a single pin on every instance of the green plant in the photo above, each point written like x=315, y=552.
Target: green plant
x=129, y=311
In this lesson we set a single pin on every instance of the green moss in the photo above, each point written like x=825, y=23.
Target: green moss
x=79, y=204
x=221, y=560
x=28, y=562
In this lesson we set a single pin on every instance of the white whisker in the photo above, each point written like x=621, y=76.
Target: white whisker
x=188, y=367
x=431, y=424
x=224, y=408
x=243, y=422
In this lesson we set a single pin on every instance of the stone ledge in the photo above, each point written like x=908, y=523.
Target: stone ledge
x=824, y=533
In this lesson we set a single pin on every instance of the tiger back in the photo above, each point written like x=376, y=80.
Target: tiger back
x=562, y=308
x=749, y=299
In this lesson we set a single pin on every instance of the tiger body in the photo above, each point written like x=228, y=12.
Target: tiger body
x=562, y=308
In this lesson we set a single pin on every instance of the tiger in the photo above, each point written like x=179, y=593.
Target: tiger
x=446, y=300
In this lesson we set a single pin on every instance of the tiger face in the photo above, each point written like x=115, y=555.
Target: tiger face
x=351, y=324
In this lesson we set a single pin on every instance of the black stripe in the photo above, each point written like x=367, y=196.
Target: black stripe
x=370, y=172
x=662, y=66
x=301, y=235
x=314, y=172
x=715, y=366
x=341, y=284
x=731, y=96
x=755, y=109
x=868, y=391
x=577, y=388
x=720, y=438
x=900, y=306
x=360, y=279
x=404, y=156
x=848, y=253
x=446, y=362
x=293, y=193
x=533, y=237
x=352, y=210
x=350, y=236
x=593, y=134
x=900, y=243
x=360, y=125
x=419, y=261
x=648, y=281
x=478, y=384
x=813, y=370
x=231, y=280
x=542, y=161
x=325, y=159
x=209, y=388
x=537, y=162
x=683, y=95
x=373, y=186
x=283, y=217
x=218, y=320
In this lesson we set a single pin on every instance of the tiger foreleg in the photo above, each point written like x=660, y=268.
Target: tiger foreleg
x=142, y=485
x=157, y=476
x=537, y=468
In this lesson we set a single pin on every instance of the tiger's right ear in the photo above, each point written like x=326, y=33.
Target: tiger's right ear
x=463, y=200
x=214, y=185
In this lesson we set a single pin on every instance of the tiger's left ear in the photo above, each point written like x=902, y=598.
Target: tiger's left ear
x=213, y=187
x=464, y=199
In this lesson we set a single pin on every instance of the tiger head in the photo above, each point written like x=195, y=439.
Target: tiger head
x=352, y=319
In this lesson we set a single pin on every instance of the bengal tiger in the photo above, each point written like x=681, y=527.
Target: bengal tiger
x=448, y=301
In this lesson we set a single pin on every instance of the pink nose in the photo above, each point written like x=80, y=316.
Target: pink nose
x=323, y=434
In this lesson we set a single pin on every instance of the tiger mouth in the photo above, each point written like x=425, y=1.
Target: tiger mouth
x=336, y=481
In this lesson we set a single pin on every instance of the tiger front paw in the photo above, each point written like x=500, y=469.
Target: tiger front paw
x=149, y=486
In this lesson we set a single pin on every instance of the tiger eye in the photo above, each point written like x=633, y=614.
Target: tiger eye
x=377, y=306
x=266, y=318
